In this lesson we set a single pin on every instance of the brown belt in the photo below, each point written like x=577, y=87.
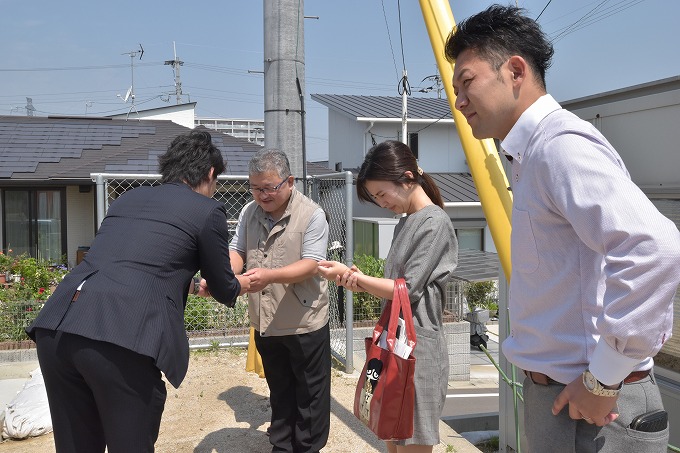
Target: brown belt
x=542, y=379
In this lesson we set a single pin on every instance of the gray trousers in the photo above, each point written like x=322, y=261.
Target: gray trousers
x=546, y=432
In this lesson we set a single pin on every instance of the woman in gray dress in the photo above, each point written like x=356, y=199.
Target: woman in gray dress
x=424, y=252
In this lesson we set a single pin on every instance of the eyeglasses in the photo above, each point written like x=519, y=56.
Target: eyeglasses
x=268, y=190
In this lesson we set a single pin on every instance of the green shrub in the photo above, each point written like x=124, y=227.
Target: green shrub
x=481, y=294
x=367, y=306
x=199, y=314
x=206, y=314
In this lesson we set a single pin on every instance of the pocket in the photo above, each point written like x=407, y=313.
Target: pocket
x=307, y=296
x=428, y=359
x=647, y=442
x=523, y=243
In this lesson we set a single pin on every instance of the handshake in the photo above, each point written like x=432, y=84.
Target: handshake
x=201, y=288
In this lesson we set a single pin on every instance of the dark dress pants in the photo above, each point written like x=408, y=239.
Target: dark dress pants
x=100, y=394
x=298, y=372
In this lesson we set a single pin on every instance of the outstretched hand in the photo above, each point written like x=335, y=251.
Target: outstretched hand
x=330, y=270
x=594, y=409
x=341, y=274
x=245, y=284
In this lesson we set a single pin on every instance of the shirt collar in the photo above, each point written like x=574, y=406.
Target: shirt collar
x=517, y=140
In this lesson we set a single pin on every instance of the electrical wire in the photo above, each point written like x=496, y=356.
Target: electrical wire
x=404, y=86
x=389, y=38
x=544, y=8
x=401, y=36
x=79, y=68
x=589, y=13
x=591, y=18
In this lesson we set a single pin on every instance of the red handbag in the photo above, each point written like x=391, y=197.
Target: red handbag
x=385, y=393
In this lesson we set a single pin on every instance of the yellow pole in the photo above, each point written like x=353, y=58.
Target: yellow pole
x=482, y=156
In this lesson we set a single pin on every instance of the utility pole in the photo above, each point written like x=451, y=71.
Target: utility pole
x=175, y=68
x=404, y=107
x=284, y=81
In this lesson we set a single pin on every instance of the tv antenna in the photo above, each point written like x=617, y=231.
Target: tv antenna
x=176, y=63
x=131, y=91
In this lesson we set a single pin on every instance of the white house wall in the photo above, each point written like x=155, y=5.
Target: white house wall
x=644, y=130
x=80, y=216
x=440, y=149
x=345, y=141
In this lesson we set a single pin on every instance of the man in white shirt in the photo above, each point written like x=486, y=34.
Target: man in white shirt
x=594, y=264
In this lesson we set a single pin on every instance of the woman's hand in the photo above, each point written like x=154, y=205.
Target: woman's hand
x=330, y=270
x=341, y=274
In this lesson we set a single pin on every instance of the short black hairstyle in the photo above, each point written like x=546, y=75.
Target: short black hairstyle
x=500, y=32
x=189, y=159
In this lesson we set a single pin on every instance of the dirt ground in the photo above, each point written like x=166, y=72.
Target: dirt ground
x=222, y=408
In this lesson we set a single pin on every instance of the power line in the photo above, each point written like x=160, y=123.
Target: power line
x=544, y=8
x=389, y=37
x=592, y=17
x=78, y=68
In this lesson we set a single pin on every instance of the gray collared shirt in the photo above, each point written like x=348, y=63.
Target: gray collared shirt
x=594, y=264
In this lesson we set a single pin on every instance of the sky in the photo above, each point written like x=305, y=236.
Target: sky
x=74, y=57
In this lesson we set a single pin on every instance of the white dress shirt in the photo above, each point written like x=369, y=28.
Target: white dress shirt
x=595, y=265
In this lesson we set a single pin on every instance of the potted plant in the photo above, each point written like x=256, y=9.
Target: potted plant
x=6, y=262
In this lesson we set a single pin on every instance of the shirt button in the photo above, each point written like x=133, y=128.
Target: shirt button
x=263, y=293
x=265, y=255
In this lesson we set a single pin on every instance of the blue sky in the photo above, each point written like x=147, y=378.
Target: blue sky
x=72, y=57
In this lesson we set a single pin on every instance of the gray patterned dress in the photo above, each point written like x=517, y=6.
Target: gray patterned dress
x=424, y=252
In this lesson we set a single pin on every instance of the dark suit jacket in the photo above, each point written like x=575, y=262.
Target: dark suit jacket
x=138, y=271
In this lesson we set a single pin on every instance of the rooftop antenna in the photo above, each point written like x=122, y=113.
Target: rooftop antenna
x=29, y=107
x=175, y=67
x=131, y=91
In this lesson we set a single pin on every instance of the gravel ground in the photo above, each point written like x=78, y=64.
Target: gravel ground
x=222, y=408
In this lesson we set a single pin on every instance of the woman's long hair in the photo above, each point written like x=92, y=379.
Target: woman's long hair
x=389, y=161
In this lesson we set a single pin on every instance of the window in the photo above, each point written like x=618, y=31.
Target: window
x=34, y=222
x=470, y=238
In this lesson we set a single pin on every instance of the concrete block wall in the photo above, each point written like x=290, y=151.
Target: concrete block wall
x=458, y=343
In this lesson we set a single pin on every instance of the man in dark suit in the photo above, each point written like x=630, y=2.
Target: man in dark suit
x=117, y=320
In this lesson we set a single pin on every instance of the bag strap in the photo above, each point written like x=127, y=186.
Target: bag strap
x=401, y=302
x=389, y=318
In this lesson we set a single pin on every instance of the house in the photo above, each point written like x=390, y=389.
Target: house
x=356, y=123
x=47, y=197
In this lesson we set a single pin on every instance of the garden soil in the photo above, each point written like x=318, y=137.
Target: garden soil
x=222, y=408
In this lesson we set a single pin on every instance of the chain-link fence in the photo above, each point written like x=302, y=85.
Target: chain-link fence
x=15, y=316
x=208, y=318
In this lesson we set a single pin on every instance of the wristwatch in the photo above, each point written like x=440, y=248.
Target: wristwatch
x=596, y=387
x=197, y=285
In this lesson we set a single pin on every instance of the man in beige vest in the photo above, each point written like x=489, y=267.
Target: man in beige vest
x=280, y=237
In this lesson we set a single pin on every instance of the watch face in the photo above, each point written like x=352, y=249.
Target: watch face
x=589, y=381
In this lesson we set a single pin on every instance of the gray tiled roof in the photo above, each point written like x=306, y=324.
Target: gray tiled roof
x=476, y=266
x=59, y=149
x=385, y=106
x=456, y=187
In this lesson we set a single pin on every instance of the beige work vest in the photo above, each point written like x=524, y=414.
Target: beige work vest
x=292, y=308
